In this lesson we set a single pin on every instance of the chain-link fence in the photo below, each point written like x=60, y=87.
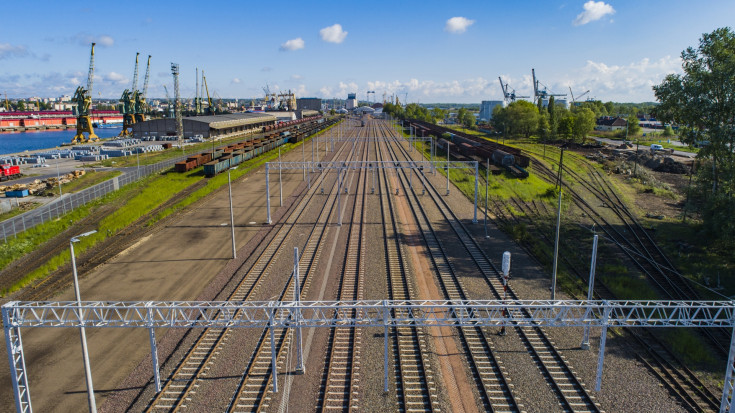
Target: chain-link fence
x=19, y=223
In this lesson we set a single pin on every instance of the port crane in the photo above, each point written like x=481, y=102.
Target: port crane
x=574, y=101
x=83, y=108
x=509, y=94
x=141, y=106
x=128, y=103
x=541, y=93
x=210, y=108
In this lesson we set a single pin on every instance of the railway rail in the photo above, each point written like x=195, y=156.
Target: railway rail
x=568, y=389
x=182, y=381
x=694, y=395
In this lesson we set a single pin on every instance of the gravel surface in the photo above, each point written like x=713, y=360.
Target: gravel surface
x=623, y=374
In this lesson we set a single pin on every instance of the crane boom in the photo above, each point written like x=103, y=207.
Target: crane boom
x=209, y=99
x=135, y=73
x=147, y=76
x=90, y=75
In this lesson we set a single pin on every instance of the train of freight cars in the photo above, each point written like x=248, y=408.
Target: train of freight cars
x=232, y=155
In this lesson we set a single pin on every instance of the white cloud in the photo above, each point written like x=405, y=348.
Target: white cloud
x=7, y=50
x=593, y=10
x=623, y=83
x=293, y=44
x=458, y=25
x=333, y=34
x=85, y=39
x=236, y=80
x=115, y=77
x=296, y=77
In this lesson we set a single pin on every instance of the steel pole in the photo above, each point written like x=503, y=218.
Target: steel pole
x=297, y=298
x=474, y=219
x=83, y=336
x=487, y=180
x=556, y=248
x=590, y=290
x=447, y=169
x=232, y=216
x=267, y=192
x=303, y=159
x=280, y=182
x=339, y=197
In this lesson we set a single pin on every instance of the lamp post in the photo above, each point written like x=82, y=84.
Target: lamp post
x=82, y=333
x=232, y=214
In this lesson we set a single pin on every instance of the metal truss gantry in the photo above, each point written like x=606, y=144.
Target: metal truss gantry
x=339, y=166
x=386, y=314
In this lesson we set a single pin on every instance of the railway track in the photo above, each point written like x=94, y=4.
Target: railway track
x=490, y=378
x=415, y=383
x=181, y=384
x=254, y=392
x=340, y=386
x=681, y=382
x=569, y=391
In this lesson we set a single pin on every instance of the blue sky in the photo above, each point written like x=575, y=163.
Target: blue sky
x=433, y=51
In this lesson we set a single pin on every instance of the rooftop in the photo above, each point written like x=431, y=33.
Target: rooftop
x=232, y=120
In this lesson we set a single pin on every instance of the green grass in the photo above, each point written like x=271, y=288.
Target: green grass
x=27, y=206
x=90, y=178
x=150, y=192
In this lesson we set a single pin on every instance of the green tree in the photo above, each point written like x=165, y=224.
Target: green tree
x=437, y=114
x=702, y=102
x=21, y=106
x=584, y=122
x=332, y=111
x=543, y=125
x=668, y=132
x=634, y=129
x=566, y=127
x=609, y=108
x=553, y=118
x=521, y=117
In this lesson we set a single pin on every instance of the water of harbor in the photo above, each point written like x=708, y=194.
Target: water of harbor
x=18, y=142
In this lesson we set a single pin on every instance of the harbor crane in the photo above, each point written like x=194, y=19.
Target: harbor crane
x=169, y=105
x=574, y=101
x=367, y=94
x=509, y=94
x=210, y=108
x=128, y=103
x=83, y=108
x=541, y=93
x=141, y=106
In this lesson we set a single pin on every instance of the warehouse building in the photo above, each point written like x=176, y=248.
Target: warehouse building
x=207, y=126
x=309, y=104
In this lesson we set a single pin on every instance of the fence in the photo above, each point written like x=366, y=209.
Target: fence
x=19, y=223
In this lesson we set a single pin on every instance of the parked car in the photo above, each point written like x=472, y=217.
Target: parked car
x=656, y=147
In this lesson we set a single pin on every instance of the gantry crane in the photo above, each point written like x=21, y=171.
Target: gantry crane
x=128, y=103
x=141, y=106
x=83, y=100
x=509, y=94
x=574, y=101
x=537, y=92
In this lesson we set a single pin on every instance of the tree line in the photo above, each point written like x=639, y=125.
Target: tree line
x=701, y=101
x=550, y=123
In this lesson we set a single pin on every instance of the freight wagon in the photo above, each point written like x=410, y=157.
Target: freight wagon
x=9, y=172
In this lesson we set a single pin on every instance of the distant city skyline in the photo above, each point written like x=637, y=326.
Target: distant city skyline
x=433, y=52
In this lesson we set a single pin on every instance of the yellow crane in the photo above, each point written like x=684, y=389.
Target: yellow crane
x=128, y=103
x=83, y=108
x=209, y=99
x=141, y=107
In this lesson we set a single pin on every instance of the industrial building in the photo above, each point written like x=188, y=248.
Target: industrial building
x=486, y=108
x=351, y=101
x=309, y=104
x=207, y=126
